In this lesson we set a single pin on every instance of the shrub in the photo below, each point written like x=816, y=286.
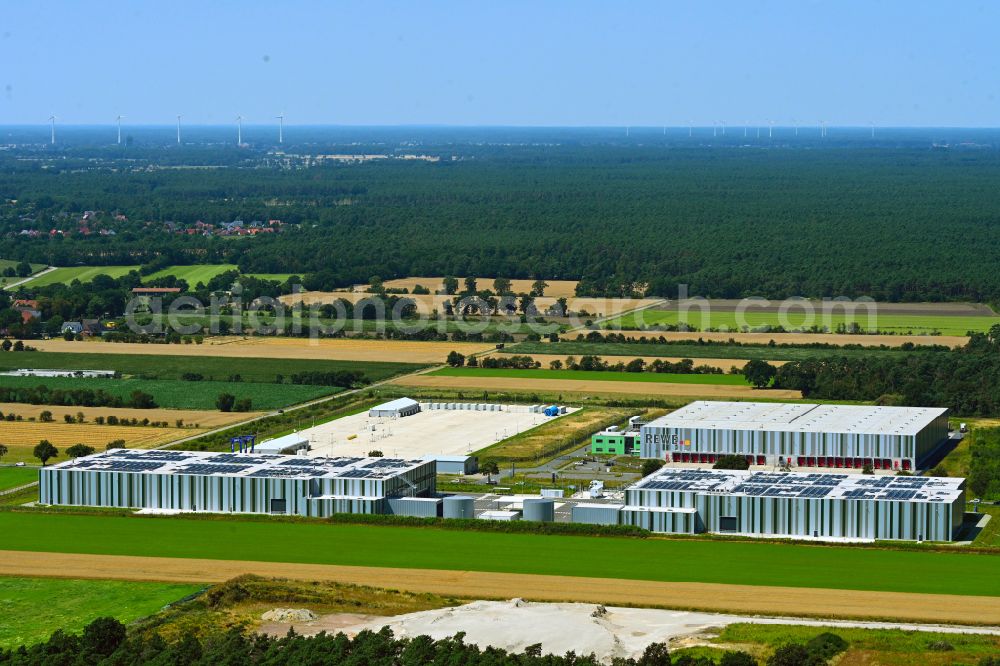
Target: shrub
x=731, y=462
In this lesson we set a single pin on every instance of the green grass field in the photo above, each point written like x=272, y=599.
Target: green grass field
x=192, y=274
x=891, y=323
x=274, y=277
x=181, y=394
x=694, y=351
x=12, y=477
x=35, y=607
x=9, y=263
x=708, y=561
x=81, y=273
x=153, y=366
x=592, y=375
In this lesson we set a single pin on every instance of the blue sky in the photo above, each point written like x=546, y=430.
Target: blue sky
x=549, y=62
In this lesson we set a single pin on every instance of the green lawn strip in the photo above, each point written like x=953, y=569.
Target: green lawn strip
x=161, y=366
x=181, y=394
x=274, y=277
x=696, y=351
x=35, y=607
x=81, y=273
x=894, y=323
x=12, y=477
x=877, y=640
x=192, y=274
x=592, y=375
x=11, y=263
x=638, y=559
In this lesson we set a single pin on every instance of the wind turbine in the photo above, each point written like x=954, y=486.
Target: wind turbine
x=239, y=130
x=770, y=129
x=873, y=129
x=120, y=128
x=723, y=127
x=715, y=127
x=822, y=128
x=746, y=125
x=178, y=129
x=690, y=128
x=281, y=127
x=795, y=123
x=52, y=121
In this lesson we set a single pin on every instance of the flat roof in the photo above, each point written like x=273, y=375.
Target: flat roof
x=259, y=465
x=398, y=403
x=803, y=485
x=800, y=417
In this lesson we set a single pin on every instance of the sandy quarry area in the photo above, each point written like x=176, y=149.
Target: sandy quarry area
x=723, y=364
x=339, y=349
x=607, y=632
x=429, y=432
x=781, y=601
x=592, y=386
x=794, y=338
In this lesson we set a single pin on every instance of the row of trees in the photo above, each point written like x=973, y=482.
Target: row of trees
x=107, y=641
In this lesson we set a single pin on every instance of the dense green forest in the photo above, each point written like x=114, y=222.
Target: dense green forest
x=894, y=223
x=966, y=380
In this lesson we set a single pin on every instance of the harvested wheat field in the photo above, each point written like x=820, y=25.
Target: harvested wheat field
x=555, y=288
x=426, y=304
x=593, y=386
x=339, y=349
x=790, y=601
x=794, y=338
x=723, y=364
x=203, y=419
x=26, y=433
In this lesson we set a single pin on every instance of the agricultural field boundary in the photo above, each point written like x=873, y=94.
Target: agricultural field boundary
x=801, y=602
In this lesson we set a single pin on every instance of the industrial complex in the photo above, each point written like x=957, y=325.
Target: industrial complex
x=829, y=506
x=287, y=476
x=797, y=434
x=235, y=483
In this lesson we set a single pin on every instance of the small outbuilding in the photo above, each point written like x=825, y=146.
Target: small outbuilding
x=395, y=408
x=288, y=444
x=455, y=464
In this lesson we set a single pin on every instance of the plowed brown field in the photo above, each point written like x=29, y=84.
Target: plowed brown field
x=484, y=585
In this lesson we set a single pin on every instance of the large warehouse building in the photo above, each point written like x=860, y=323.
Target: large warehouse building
x=804, y=435
x=237, y=483
x=828, y=506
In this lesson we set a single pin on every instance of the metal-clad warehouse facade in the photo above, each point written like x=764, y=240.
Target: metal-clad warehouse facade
x=804, y=435
x=234, y=483
x=831, y=506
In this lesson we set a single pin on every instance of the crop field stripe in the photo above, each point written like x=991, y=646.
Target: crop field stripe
x=181, y=394
x=770, y=600
x=945, y=324
x=81, y=273
x=694, y=351
x=678, y=560
x=163, y=366
x=193, y=274
x=595, y=375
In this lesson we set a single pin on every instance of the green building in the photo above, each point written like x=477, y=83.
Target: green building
x=615, y=443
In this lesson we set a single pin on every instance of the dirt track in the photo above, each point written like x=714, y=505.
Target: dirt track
x=597, y=386
x=799, y=338
x=916, y=309
x=276, y=347
x=483, y=585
